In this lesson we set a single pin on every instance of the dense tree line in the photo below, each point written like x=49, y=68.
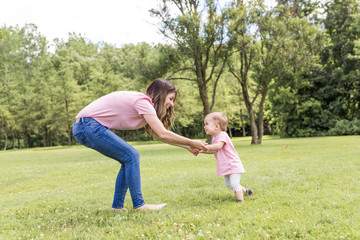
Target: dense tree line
x=293, y=70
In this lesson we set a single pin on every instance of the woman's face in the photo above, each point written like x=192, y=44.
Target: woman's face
x=169, y=101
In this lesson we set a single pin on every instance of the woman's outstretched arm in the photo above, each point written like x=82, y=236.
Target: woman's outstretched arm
x=171, y=137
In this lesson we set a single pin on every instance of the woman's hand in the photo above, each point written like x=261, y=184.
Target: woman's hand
x=199, y=145
x=193, y=150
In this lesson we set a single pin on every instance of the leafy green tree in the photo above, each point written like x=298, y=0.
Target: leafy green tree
x=202, y=41
x=43, y=89
x=68, y=97
x=341, y=63
x=21, y=50
x=9, y=42
x=300, y=8
x=280, y=42
x=4, y=122
x=327, y=92
x=242, y=60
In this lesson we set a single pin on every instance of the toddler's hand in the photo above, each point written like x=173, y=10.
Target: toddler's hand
x=206, y=151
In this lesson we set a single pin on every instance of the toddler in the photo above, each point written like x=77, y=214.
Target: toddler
x=227, y=159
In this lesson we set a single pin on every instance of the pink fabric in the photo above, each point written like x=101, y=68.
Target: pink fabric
x=120, y=110
x=227, y=159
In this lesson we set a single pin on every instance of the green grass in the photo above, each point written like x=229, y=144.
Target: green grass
x=305, y=188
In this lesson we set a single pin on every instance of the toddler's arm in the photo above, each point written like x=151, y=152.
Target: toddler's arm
x=213, y=147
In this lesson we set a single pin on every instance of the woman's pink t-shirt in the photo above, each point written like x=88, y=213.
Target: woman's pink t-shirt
x=227, y=159
x=122, y=110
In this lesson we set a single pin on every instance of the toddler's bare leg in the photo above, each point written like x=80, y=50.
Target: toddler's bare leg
x=239, y=196
x=238, y=189
x=243, y=190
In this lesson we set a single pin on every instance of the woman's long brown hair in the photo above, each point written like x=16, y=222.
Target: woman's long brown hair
x=157, y=91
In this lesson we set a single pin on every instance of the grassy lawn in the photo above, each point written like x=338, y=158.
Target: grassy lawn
x=305, y=188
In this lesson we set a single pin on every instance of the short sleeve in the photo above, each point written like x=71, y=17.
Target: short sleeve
x=221, y=137
x=144, y=106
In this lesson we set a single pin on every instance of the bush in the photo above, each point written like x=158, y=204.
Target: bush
x=345, y=127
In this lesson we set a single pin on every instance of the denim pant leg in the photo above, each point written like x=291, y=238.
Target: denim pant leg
x=94, y=135
x=120, y=189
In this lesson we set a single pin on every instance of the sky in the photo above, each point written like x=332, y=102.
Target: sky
x=115, y=22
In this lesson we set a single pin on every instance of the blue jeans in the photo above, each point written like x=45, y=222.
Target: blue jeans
x=92, y=134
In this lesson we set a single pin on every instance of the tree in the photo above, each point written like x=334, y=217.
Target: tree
x=300, y=8
x=9, y=42
x=280, y=42
x=21, y=50
x=327, y=92
x=201, y=39
x=68, y=97
x=340, y=61
x=241, y=62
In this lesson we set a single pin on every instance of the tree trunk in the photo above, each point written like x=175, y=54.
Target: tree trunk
x=260, y=127
x=28, y=140
x=69, y=128
x=6, y=138
x=50, y=143
x=44, y=137
x=242, y=77
x=270, y=129
x=261, y=114
x=69, y=136
x=254, y=129
x=201, y=82
x=242, y=123
x=57, y=137
x=13, y=138
x=249, y=107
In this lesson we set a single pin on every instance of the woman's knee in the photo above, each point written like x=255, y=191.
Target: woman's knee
x=133, y=156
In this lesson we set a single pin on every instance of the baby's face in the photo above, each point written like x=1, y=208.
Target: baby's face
x=211, y=128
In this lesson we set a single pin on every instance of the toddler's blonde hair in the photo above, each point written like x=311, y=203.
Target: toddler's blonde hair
x=219, y=118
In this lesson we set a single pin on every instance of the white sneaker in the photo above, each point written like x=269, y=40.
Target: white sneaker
x=151, y=207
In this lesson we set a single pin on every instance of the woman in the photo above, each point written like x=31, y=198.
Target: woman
x=125, y=110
